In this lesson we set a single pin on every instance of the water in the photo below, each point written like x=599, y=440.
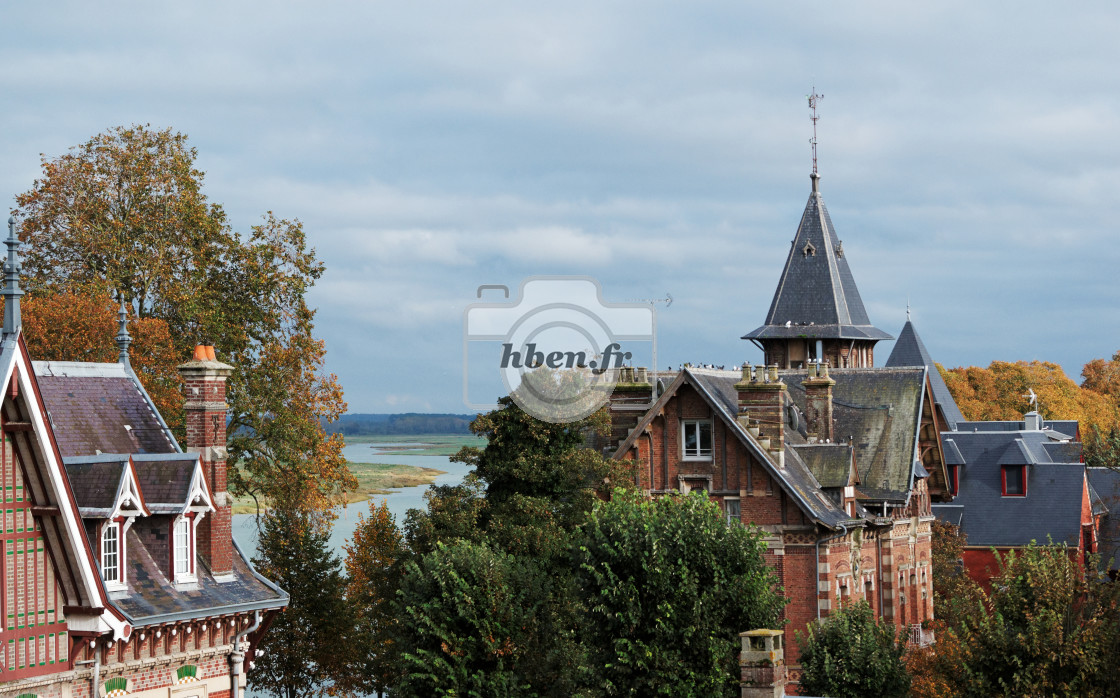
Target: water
x=399, y=501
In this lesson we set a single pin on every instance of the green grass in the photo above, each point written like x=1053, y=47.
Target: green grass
x=418, y=445
x=373, y=479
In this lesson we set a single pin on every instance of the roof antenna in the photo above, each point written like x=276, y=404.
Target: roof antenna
x=12, y=292
x=813, y=99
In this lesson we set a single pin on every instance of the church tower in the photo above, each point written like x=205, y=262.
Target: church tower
x=817, y=314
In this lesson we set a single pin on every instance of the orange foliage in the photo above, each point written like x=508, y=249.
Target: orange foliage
x=68, y=326
x=999, y=393
x=1103, y=377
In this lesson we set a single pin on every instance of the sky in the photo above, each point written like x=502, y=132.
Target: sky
x=968, y=158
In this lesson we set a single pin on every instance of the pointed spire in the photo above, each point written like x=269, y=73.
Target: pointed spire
x=123, y=338
x=12, y=292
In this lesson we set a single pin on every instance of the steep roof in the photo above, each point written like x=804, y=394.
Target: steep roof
x=831, y=464
x=910, y=350
x=817, y=294
x=1052, y=506
x=100, y=408
x=717, y=388
x=880, y=409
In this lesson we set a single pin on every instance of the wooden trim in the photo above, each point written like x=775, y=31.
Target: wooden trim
x=17, y=426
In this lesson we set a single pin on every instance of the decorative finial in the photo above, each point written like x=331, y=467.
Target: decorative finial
x=813, y=100
x=123, y=338
x=907, y=308
x=12, y=292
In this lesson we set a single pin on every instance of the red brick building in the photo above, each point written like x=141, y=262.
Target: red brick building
x=837, y=461
x=119, y=574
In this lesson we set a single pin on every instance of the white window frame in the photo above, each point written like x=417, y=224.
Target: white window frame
x=116, y=555
x=699, y=453
x=727, y=514
x=182, y=559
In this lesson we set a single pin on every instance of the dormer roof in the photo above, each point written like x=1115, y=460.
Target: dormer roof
x=817, y=295
x=106, y=486
x=173, y=483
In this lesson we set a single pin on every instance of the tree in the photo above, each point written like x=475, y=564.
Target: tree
x=67, y=326
x=474, y=623
x=301, y=650
x=1047, y=628
x=668, y=586
x=851, y=655
x=373, y=559
x=955, y=594
x=124, y=214
x=1103, y=377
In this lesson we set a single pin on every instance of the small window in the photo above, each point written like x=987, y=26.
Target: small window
x=732, y=511
x=1014, y=480
x=110, y=552
x=183, y=548
x=954, y=479
x=698, y=439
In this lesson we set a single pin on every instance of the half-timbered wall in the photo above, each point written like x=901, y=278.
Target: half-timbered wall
x=33, y=640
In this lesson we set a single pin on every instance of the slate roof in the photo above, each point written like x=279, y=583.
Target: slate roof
x=90, y=405
x=1060, y=429
x=1106, y=484
x=881, y=410
x=718, y=388
x=909, y=350
x=1051, y=508
x=817, y=293
x=166, y=481
x=152, y=598
x=96, y=483
x=831, y=464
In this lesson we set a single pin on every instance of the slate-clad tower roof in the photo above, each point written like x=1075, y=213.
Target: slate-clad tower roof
x=816, y=298
x=909, y=350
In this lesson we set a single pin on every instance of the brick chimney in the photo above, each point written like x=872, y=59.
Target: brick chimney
x=762, y=402
x=204, y=414
x=818, y=402
x=762, y=665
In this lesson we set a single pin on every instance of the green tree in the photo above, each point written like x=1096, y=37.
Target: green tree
x=474, y=622
x=851, y=655
x=373, y=559
x=955, y=594
x=668, y=586
x=124, y=215
x=302, y=654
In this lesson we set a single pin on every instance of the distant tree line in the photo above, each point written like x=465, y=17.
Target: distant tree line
x=410, y=423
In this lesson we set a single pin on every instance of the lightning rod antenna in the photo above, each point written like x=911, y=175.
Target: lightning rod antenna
x=813, y=99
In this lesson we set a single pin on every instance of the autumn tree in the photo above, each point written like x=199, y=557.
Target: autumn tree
x=69, y=326
x=124, y=214
x=955, y=594
x=373, y=559
x=852, y=654
x=1047, y=628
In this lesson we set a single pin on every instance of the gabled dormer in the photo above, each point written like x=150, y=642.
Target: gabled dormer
x=178, y=497
x=109, y=501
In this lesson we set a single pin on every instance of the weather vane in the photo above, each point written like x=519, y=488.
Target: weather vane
x=813, y=99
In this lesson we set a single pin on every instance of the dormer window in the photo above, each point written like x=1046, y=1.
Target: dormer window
x=697, y=439
x=183, y=549
x=1014, y=479
x=112, y=555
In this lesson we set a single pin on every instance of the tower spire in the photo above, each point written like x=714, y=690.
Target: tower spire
x=123, y=338
x=814, y=98
x=12, y=292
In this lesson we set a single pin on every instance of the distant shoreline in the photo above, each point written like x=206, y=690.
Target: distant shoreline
x=376, y=479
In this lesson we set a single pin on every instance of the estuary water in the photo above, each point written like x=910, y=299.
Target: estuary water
x=399, y=501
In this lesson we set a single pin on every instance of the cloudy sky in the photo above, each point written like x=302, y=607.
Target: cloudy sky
x=968, y=154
